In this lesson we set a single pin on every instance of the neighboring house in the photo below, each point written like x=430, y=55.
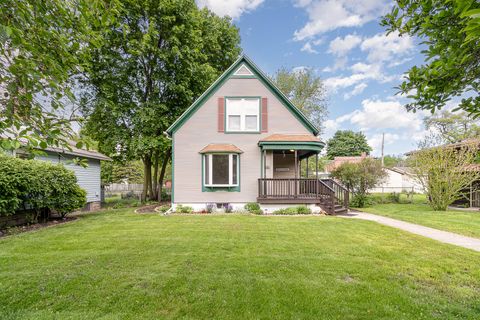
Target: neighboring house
x=398, y=179
x=338, y=161
x=243, y=141
x=88, y=177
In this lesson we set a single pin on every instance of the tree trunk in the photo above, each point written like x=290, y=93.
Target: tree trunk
x=154, y=194
x=165, y=161
x=147, y=177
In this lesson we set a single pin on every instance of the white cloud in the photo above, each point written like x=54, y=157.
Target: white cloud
x=299, y=69
x=357, y=90
x=361, y=73
x=232, y=8
x=327, y=15
x=307, y=47
x=382, y=47
x=375, y=141
x=341, y=46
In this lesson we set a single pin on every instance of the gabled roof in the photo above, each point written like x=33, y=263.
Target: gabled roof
x=74, y=151
x=243, y=59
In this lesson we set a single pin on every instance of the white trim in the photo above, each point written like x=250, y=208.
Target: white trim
x=243, y=114
x=249, y=73
x=230, y=170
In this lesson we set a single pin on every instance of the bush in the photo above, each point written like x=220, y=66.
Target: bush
x=183, y=209
x=361, y=201
x=38, y=185
x=293, y=210
x=164, y=208
x=256, y=211
x=252, y=206
x=393, y=197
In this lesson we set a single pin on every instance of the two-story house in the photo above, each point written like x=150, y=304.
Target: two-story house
x=244, y=141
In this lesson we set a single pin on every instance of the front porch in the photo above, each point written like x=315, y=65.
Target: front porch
x=290, y=174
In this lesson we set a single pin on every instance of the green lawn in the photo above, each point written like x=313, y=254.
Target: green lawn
x=462, y=222
x=120, y=265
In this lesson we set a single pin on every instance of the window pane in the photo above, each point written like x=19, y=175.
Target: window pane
x=234, y=168
x=251, y=123
x=234, y=123
x=220, y=169
x=207, y=169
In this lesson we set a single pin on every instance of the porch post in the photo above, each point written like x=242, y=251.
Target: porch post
x=296, y=173
x=264, y=169
x=307, y=166
x=316, y=165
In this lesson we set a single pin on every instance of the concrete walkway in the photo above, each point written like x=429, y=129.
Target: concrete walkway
x=439, y=235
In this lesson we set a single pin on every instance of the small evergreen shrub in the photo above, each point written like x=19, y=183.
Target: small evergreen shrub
x=252, y=206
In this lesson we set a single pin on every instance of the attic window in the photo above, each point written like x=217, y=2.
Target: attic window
x=242, y=114
x=243, y=71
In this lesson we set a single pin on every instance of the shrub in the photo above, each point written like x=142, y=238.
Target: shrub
x=164, y=208
x=256, y=211
x=38, y=185
x=393, y=197
x=293, y=210
x=183, y=209
x=361, y=201
x=228, y=208
x=252, y=206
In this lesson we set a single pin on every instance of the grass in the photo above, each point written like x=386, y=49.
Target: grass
x=120, y=265
x=462, y=222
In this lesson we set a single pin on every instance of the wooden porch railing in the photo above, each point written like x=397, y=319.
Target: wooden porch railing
x=326, y=192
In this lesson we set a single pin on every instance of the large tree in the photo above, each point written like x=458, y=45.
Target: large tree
x=42, y=49
x=306, y=91
x=450, y=31
x=346, y=143
x=159, y=57
x=448, y=127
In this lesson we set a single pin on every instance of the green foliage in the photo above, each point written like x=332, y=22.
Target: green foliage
x=393, y=197
x=306, y=91
x=293, y=210
x=164, y=208
x=450, y=127
x=252, y=206
x=38, y=185
x=451, y=32
x=159, y=57
x=256, y=211
x=183, y=209
x=390, y=161
x=345, y=143
x=44, y=45
x=444, y=172
x=359, y=178
x=119, y=172
x=361, y=201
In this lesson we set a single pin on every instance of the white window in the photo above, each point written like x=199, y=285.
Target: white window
x=243, y=114
x=220, y=170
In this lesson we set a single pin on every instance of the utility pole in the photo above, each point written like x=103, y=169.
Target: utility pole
x=383, y=145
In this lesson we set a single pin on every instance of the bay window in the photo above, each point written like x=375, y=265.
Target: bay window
x=220, y=170
x=242, y=114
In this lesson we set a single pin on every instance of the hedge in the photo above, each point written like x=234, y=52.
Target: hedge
x=38, y=185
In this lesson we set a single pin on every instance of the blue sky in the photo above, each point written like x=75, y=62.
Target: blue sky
x=342, y=41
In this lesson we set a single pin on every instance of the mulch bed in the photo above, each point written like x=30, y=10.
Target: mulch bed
x=36, y=226
x=151, y=208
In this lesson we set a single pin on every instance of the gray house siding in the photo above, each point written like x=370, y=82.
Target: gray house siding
x=201, y=129
x=87, y=178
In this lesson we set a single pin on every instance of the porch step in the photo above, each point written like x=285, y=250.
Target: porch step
x=340, y=210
